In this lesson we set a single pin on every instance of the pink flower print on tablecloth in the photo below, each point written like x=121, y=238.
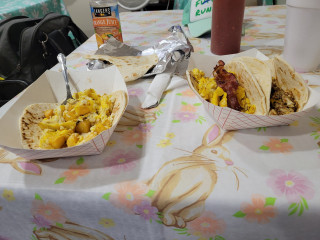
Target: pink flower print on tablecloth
x=188, y=93
x=75, y=171
x=277, y=145
x=134, y=136
x=187, y=113
x=145, y=127
x=185, y=116
x=291, y=184
x=188, y=108
x=206, y=226
x=120, y=161
x=128, y=195
x=47, y=213
x=258, y=210
x=135, y=91
x=146, y=210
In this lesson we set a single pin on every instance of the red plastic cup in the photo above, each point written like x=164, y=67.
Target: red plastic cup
x=227, y=19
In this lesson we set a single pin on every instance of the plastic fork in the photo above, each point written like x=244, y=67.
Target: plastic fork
x=62, y=59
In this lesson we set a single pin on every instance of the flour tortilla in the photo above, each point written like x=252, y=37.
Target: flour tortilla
x=261, y=72
x=130, y=67
x=31, y=117
x=278, y=69
x=34, y=113
x=121, y=100
x=289, y=80
x=249, y=82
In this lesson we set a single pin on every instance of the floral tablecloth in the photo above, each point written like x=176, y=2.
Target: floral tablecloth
x=171, y=172
x=30, y=8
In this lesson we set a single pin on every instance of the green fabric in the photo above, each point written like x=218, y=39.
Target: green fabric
x=197, y=28
x=265, y=2
x=280, y=2
x=180, y=4
x=268, y=2
x=186, y=13
x=30, y=8
x=200, y=27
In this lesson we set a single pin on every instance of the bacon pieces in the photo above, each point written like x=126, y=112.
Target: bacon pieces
x=228, y=82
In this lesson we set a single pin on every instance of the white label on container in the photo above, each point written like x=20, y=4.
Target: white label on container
x=200, y=9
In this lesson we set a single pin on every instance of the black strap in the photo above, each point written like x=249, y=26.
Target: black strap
x=11, y=18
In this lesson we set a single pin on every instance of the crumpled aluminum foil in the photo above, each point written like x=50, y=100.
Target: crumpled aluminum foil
x=176, y=41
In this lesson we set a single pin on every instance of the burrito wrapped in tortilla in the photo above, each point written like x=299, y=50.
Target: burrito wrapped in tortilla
x=130, y=67
x=232, y=85
x=289, y=92
x=250, y=85
x=86, y=115
x=284, y=89
x=254, y=77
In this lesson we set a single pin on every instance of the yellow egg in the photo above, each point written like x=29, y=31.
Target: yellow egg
x=223, y=101
x=216, y=96
x=80, y=120
x=73, y=140
x=54, y=139
x=208, y=89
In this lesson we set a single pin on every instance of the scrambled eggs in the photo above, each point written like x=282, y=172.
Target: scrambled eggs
x=84, y=116
x=209, y=90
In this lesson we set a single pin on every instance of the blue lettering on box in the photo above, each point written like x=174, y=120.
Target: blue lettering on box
x=202, y=2
x=205, y=1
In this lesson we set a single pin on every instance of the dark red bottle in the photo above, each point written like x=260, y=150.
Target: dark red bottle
x=227, y=19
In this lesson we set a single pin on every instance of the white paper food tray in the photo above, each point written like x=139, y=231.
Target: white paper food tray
x=229, y=119
x=50, y=88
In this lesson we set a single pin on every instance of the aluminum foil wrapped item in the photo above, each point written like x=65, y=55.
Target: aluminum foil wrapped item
x=115, y=48
x=176, y=41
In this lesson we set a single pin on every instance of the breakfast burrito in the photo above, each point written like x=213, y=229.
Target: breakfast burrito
x=86, y=115
x=284, y=89
x=289, y=91
x=233, y=86
x=130, y=67
x=260, y=74
x=253, y=86
x=253, y=78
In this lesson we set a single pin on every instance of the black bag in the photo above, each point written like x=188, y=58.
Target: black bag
x=29, y=46
x=9, y=89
